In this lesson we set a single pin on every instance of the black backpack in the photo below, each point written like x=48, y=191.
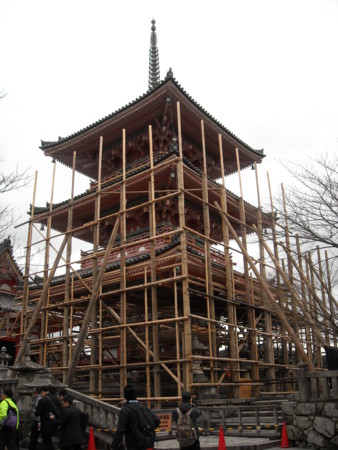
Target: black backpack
x=144, y=425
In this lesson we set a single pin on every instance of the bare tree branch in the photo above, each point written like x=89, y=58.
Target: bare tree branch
x=9, y=182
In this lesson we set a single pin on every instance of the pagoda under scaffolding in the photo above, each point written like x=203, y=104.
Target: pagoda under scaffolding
x=158, y=301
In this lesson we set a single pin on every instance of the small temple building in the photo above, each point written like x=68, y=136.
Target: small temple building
x=10, y=281
x=158, y=301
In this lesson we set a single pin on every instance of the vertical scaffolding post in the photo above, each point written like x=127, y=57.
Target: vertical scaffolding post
x=187, y=344
x=329, y=287
x=303, y=294
x=317, y=349
x=268, y=344
x=93, y=382
x=123, y=274
x=280, y=293
x=324, y=300
x=67, y=343
x=177, y=332
x=250, y=308
x=146, y=326
x=154, y=304
x=208, y=268
x=44, y=315
x=100, y=345
x=290, y=268
x=25, y=295
x=231, y=308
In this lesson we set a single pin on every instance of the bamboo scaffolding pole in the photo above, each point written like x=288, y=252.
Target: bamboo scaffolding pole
x=207, y=256
x=325, y=311
x=280, y=294
x=146, y=329
x=268, y=344
x=93, y=299
x=100, y=345
x=187, y=341
x=317, y=349
x=290, y=268
x=250, y=311
x=329, y=290
x=177, y=336
x=23, y=323
x=70, y=354
x=303, y=296
x=268, y=293
x=231, y=308
x=44, y=316
x=93, y=378
x=66, y=345
x=123, y=281
x=154, y=302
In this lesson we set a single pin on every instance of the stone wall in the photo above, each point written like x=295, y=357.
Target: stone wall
x=312, y=424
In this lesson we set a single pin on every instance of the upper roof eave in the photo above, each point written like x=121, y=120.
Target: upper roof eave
x=50, y=145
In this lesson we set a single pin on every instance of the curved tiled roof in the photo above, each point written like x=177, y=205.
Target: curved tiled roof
x=169, y=78
x=158, y=158
x=9, y=303
x=60, y=279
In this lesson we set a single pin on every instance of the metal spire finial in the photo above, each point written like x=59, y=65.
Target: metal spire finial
x=154, y=62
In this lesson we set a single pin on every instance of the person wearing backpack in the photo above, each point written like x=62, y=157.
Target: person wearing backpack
x=186, y=416
x=136, y=422
x=49, y=409
x=8, y=435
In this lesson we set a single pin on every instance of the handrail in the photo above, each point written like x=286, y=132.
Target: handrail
x=101, y=415
x=317, y=385
x=234, y=417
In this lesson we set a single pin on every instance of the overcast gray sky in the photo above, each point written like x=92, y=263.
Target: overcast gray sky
x=266, y=69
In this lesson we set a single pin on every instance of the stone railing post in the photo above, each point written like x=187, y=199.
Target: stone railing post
x=4, y=358
x=304, y=384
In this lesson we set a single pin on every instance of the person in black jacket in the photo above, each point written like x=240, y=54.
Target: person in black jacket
x=47, y=409
x=184, y=407
x=126, y=422
x=72, y=436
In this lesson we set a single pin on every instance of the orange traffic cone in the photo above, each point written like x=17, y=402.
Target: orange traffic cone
x=91, y=442
x=221, y=440
x=285, y=441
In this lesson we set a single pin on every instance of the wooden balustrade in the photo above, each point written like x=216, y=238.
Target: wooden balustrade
x=317, y=385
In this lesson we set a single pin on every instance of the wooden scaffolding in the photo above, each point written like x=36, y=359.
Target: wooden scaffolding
x=158, y=301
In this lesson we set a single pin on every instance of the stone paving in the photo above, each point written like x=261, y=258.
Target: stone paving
x=231, y=442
